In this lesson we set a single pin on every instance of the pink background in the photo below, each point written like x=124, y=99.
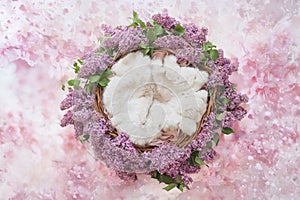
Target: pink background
x=39, y=41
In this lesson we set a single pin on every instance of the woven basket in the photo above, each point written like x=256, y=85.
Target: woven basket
x=181, y=140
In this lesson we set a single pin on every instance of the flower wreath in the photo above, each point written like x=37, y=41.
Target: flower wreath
x=164, y=38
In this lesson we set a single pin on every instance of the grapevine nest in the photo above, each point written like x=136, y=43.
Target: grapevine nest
x=181, y=139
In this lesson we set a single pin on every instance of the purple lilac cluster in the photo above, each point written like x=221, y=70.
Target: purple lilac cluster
x=122, y=141
x=189, y=54
x=94, y=64
x=205, y=134
x=67, y=119
x=180, y=46
x=125, y=40
x=232, y=111
x=165, y=21
x=172, y=42
x=194, y=35
x=67, y=102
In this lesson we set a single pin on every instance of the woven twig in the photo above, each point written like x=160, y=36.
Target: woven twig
x=181, y=139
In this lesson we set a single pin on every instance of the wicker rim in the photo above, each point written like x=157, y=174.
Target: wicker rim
x=181, y=140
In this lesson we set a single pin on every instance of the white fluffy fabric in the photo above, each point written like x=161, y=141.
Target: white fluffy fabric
x=145, y=97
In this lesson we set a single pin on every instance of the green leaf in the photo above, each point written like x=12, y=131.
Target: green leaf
x=178, y=30
x=216, y=138
x=104, y=82
x=76, y=84
x=170, y=186
x=76, y=67
x=107, y=72
x=143, y=45
x=214, y=54
x=155, y=174
x=63, y=87
x=216, y=124
x=80, y=61
x=233, y=85
x=227, y=130
x=179, y=179
x=83, y=138
x=180, y=187
x=94, y=78
x=225, y=101
x=137, y=21
x=208, y=46
x=199, y=161
x=151, y=36
x=71, y=82
x=219, y=116
x=158, y=30
x=209, y=145
x=166, y=179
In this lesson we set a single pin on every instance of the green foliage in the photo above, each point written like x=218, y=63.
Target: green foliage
x=103, y=80
x=209, y=145
x=216, y=138
x=151, y=35
x=178, y=30
x=172, y=183
x=195, y=159
x=225, y=101
x=219, y=116
x=77, y=65
x=227, y=131
x=136, y=21
x=75, y=83
x=147, y=49
x=210, y=50
x=83, y=138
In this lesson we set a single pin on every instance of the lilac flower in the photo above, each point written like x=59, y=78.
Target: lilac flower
x=125, y=40
x=165, y=21
x=228, y=119
x=67, y=119
x=81, y=99
x=215, y=79
x=95, y=64
x=78, y=127
x=123, y=141
x=239, y=112
x=189, y=54
x=172, y=42
x=208, y=155
x=127, y=176
x=67, y=102
x=82, y=115
x=112, y=31
x=194, y=35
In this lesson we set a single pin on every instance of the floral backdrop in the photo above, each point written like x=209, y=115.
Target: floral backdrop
x=39, y=41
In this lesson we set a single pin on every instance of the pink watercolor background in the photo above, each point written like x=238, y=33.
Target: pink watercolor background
x=39, y=41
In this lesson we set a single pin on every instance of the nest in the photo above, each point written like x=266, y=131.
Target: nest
x=181, y=139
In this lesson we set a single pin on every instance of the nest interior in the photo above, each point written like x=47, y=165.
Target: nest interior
x=181, y=139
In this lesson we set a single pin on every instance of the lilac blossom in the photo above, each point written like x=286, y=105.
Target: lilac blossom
x=165, y=21
x=67, y=102
x=228, y=119
x=194, y=35
x=67, y=119
x=172, y=42
x=125, y=40
x=189, y=54
x=95, y=64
